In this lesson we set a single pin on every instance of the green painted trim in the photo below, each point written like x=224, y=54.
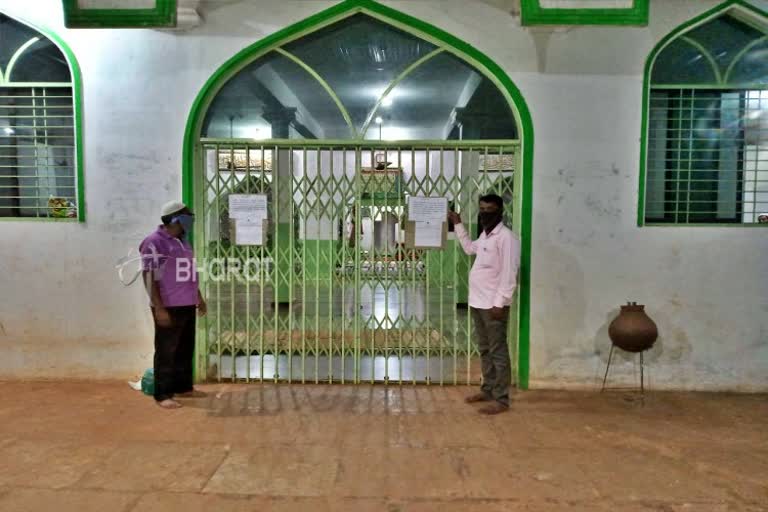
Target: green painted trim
x=77, y=103
x=352, y=143
x=429, y=32
x=750, y=225
x=163, y=15
x=719, y=87
x=399, y=78
x=325, y=85
x=38, y=219
x=532, y=13
x=665, y=41
x=283, y=236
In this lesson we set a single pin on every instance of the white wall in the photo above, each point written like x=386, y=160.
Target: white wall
x=63, y=312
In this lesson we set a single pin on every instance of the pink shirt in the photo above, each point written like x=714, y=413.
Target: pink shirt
x=493, y=277
x=173, y=264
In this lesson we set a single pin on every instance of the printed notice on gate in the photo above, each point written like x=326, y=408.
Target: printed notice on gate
x=428, y=234
x=428, y=209
x=249, y=231
x=248, y=206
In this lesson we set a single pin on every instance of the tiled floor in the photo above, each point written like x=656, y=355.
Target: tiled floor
x=103, y=447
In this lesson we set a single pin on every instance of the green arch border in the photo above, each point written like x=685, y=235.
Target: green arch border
x=77, y=103
x=661, y=45
x=494, y=71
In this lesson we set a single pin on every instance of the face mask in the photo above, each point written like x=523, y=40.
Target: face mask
x=489, y=219
x=186, y=222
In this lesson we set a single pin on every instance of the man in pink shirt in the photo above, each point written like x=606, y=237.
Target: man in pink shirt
x=492, y=283
x=169, y=273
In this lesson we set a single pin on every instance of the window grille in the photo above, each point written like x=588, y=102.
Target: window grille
x=707, y=156
x=38, y=176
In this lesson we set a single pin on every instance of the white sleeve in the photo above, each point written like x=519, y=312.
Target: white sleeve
x=510, y=261
x=466, y=243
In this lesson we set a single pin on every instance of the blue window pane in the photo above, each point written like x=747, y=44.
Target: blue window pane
x=12, y=35
x=41, y=62
x=359, y=57
x=273, y=97
x=724, y=38
x=682, y=63
x=444, y=98
x=752, y=68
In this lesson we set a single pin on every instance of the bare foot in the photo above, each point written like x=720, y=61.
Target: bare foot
x=477, y=397
x=494, y=408
x=169, y=403
x=192, y=394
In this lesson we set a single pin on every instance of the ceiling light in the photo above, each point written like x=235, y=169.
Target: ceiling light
x=9, y=131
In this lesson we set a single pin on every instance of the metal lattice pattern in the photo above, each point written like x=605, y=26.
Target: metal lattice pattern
x=334, y=294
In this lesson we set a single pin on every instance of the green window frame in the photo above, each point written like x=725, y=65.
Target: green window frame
x=533, y=13
x=41, y=149
x=162, y=15
x=704, y=146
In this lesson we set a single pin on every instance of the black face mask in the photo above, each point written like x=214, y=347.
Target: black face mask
x=489, y=220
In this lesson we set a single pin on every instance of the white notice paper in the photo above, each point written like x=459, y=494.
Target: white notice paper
x=252, y=206
x=428, y=209
x=249, y=231
x=428, y=234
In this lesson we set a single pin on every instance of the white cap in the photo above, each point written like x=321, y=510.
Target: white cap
x=172, y=207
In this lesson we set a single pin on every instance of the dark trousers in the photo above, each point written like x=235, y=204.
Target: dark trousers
x=494, y=354
x=174, y=351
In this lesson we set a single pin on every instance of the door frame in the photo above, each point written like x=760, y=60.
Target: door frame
x=419, y=28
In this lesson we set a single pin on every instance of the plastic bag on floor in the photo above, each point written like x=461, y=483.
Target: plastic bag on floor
x=146, y=384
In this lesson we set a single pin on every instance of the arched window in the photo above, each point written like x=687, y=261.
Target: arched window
x=38, y=153
x=341, y=120
x=360, y=79
x=707, y=133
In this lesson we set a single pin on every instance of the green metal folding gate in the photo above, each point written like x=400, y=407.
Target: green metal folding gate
x=333, y=294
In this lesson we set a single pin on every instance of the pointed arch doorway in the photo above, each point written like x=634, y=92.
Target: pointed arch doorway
x=333, y=124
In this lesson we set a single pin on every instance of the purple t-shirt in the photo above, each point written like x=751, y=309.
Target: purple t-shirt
x=173, y=264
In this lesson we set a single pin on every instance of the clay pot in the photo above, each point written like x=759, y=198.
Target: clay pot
x=633, y=330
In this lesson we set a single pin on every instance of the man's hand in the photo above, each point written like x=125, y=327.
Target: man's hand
x=454, y=217
x=202, y=308
x=498, y=313
x=162, y=317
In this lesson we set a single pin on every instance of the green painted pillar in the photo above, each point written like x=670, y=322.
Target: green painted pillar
x=320, y=259
x=284, y=225
x=280, y=119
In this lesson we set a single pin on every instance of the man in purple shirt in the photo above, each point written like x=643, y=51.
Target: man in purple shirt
x=492, y=283
x=168, y=266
